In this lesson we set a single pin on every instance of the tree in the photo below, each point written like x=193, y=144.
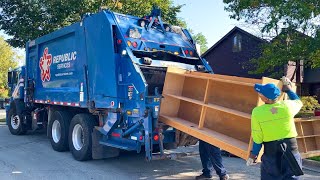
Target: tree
x=290, y=21
x=287, y=46
x=7, y=60
x=28, y=19
x=202, y=41
x=274, y=15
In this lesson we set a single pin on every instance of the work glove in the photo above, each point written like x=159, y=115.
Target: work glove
x=252, y=160
x=287, y=85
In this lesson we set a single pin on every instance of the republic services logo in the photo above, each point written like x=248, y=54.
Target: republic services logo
x=44, y=64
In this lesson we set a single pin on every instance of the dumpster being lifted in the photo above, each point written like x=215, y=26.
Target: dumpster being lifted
x=217, y=109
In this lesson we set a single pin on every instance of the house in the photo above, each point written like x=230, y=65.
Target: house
x=232, y=53
x=307, y=78
x=231, y=56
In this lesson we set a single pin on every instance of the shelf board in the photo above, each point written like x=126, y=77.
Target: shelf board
x=222, y=141
x=211, y=106
x=226, y=77
x=308, y=136
x=214, y=79
x=188, y=75
x=185, y=99
x=309, y=154
x=228, y=110
x=233, y=82
x=307, y=119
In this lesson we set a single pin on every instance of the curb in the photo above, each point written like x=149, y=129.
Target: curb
x=311, y=165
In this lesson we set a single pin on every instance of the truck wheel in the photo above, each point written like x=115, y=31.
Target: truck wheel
x=15, y=124
x=58, y=128
x=80, y=136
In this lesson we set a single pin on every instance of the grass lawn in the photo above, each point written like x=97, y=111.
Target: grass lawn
x=3, y=120
x=315, y=158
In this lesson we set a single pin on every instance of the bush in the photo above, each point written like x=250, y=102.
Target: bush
x=310, y=103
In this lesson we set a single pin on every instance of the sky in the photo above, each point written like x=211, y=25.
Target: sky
x=205, y=16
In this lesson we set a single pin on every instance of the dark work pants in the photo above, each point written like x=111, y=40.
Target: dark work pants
x=275, y=167
x=211, y=159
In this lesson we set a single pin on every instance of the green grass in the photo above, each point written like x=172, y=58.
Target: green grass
x=317, y=158
x=3, y=120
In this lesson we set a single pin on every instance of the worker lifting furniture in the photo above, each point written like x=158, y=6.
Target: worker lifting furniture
x=273, y=126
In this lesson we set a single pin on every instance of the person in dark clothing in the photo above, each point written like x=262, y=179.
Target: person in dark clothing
x=211, y=160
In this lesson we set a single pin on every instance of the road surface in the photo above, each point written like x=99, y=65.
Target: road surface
x=31, y=157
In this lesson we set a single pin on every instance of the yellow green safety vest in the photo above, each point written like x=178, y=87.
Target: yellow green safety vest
x=270, y=122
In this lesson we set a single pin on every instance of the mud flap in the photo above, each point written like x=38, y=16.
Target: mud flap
x=99, y=151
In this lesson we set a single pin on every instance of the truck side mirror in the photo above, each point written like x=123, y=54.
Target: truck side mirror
x=10, y=77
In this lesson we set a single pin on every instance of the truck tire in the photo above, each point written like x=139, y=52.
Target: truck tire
x=15, y=123
x=58, y=130
x=80, y=136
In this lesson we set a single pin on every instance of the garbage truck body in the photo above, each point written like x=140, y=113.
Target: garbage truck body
x=96, y=85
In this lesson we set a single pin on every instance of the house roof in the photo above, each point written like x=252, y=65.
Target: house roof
x=285, y=31
x=228, y=34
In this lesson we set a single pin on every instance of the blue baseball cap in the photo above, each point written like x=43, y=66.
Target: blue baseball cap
x=269, y=90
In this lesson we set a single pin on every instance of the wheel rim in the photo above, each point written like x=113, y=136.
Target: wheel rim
x=77, y=137
x=56, y=131
x=15, y=121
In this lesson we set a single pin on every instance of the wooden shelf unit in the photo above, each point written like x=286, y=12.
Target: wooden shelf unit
x=217, y=109
x=308, y=130
x=213, y=108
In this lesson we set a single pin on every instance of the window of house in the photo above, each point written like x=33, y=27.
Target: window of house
x=236, y=43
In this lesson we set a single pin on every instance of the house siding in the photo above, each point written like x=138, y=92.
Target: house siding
x=224, y=61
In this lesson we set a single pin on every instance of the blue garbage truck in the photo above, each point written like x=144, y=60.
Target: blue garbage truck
x=95, y=86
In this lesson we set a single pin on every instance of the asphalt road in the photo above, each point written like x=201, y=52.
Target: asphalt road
x=31, y=157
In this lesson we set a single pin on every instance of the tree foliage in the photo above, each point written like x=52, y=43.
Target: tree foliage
x=287, y=46
x=28, y=19
x=202, y=41
x=7, y=60
x=273, y=17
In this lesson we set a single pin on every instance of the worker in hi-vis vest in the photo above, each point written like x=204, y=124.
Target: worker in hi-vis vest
x=272, y=125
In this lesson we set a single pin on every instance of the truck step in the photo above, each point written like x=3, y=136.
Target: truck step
x=122, y=144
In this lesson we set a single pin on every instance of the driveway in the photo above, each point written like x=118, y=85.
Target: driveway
x=2, y=114
x=31, y=157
